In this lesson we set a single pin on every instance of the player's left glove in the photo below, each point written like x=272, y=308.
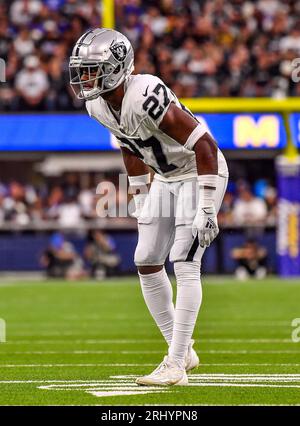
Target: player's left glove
x=205, y=223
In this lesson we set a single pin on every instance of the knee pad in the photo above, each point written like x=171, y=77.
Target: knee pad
x=146, y=256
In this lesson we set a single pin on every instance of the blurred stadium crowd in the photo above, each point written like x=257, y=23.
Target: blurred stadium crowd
x=215, y=48
x=35, y=40
x=69, y=204
x=199, y=48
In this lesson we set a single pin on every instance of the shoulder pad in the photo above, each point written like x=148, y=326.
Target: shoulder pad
x=146, y=99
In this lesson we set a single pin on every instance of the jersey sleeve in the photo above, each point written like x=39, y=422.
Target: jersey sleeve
x=156, y=103
x=151, y=99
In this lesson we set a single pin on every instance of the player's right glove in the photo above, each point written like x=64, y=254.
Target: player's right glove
x=205, y=223
x=139, y=183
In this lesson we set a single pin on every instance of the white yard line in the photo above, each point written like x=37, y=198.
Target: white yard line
x=73, y=365
x=122, y=385
x=248, y=364
x=123, y=380
x=222, y=376
x=104, y=352
x=68, y=326
x=137, y=341
x=46, y=381
x=250, y=352
x=53, y=365
x=78, y=352
x=243, y=385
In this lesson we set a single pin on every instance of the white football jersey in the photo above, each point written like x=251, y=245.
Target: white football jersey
x=144, y=105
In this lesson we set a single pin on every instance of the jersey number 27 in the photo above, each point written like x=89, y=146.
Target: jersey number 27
x=155, y=110
x=151, y=104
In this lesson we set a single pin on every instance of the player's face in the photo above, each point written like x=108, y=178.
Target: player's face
x=88, y=77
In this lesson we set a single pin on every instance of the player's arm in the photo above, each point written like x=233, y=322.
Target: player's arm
x=139, y=179
x=186, y=130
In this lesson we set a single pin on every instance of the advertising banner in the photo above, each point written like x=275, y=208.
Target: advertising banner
x=288, y=229
x=78, y=132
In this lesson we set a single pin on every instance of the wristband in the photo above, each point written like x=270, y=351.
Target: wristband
x=207, y=187
x=207, y=181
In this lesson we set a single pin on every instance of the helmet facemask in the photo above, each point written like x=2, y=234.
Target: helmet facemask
x=90, y=80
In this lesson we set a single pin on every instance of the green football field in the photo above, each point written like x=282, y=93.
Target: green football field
x=84, y=344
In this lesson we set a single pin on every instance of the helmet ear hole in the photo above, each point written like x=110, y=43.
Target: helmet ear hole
x=117, y=69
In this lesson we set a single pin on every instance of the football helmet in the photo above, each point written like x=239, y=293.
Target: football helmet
x=101, y=60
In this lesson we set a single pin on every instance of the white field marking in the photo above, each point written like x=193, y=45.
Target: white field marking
x=72, y=365
x=91, y=333
x=84, y=341
x=246, y=377
x=78, y=352
x=244, y=385
x=246, y=351
x=249, y=364
x=103, y=352
x=84, y=329
x=46, y=381
x=241, y=364
x=124, y=385
x=289, y=340
x=137, y=341
x=221, y=376
x=60, y=333
x=37, y=282
x=141, y=321
x=108, y=387
x=85, y=320
x=143, y=391
x=27, y=326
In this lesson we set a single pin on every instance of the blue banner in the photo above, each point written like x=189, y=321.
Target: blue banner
x=247, y=131
x=288, y=227
x=52, y=132
x=78, y=132
x=295, y=128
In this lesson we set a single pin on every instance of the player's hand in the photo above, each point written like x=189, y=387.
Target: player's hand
x=205, y=224
x=139, y=201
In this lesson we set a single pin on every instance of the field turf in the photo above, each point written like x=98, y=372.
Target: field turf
x=84, y=343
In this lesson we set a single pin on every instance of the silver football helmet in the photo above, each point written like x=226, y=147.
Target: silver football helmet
x=101, y=60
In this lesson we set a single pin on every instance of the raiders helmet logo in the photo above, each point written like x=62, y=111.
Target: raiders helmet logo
x=119, y=51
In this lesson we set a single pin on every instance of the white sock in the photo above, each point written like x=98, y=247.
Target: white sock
x=188, y=301
x=158, y=295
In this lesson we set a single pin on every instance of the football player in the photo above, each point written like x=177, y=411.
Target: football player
x=154, y=130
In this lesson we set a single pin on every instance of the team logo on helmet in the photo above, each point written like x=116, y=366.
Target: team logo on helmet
x=119, y=51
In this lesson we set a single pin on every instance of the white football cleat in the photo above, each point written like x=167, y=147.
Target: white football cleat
x=191, y=358
x=168, y=373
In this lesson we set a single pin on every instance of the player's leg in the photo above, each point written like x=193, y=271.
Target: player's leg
x=156, y=235
x=172, y=371
x=186, y=255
